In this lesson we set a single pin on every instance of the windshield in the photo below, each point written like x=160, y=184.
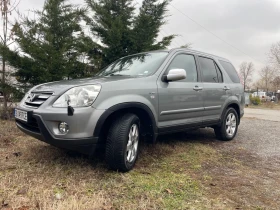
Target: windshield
x=144, y=64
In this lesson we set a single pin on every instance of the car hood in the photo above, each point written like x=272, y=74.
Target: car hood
x=59, y=87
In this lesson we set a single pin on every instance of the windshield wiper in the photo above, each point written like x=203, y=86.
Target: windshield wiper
x=117, y=75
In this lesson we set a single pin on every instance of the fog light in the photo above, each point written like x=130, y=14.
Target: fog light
x=63, y=127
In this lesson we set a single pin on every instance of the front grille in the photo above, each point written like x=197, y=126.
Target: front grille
x=35, y=100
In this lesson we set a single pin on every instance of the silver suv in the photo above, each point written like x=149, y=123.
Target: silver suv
x=142, y=95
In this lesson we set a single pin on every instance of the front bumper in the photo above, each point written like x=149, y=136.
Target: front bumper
x=43, y=125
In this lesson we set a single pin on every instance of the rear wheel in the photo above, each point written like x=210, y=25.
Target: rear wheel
x=228, y=129
x=123, y=143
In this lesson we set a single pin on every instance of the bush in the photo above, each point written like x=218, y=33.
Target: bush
x=255, y=100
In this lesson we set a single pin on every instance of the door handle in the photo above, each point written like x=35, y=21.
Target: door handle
x=196, y=88
x=226, y=88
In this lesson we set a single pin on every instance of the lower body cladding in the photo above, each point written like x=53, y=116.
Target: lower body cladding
x=80, y=137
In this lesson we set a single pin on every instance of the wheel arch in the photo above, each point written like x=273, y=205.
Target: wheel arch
x=234, y=105
x=144, y=113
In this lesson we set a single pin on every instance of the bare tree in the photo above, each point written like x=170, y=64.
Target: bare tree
x=267, y=75
x=276, y=83
x=259, y=84
x=6, y=9
x=246, y=72
x=274, y=56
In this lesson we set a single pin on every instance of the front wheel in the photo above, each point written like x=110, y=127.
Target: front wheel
x=123, y=143
x=228, y=129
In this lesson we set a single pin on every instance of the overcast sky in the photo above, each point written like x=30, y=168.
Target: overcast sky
x=252, y=26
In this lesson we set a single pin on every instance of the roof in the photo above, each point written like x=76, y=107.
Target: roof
x=190, y=51
x=198, y=53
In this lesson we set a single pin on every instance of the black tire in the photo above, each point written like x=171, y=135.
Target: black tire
x=222, y=130
x=117, y=143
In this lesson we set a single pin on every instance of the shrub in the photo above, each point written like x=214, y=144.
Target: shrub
x=255, y=100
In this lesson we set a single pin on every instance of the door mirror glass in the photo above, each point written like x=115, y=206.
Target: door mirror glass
x=176, y=74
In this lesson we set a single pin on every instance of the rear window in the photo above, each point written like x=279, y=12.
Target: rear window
x=230, y=71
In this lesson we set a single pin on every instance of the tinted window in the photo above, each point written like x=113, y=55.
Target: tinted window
x=220, y=76
x=143, y=64
x=186, y=62
x=210, y=71
x=230, y=71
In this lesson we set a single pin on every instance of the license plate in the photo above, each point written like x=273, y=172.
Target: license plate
x=21, y=115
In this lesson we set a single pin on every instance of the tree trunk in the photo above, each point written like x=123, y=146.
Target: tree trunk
x=244, y=80
x=6, y=114
x=5, y=12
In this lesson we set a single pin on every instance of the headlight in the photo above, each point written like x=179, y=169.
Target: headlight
x=78, y=96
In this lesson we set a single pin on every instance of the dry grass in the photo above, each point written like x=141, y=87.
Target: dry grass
x=170, y=175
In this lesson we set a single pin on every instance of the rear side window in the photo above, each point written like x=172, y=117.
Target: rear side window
x=220, y=76
x=230, y=71
x=210, y=71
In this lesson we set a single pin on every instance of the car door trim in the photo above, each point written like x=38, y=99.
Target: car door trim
x=180, y=111
x=209, y=108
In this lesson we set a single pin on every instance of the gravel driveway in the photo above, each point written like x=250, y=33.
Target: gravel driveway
x=256, y=148
x=264, y=114
x=260, y=136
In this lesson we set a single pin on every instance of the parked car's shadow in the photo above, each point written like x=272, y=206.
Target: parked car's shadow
x=197, y=135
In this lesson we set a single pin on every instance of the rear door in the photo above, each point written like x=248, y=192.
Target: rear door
x=180, y=102
x=237, y=88
x=215, y=92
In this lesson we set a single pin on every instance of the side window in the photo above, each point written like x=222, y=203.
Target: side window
x=220, y=76
x=186, y=62
x=210, y=71
x=230, y=71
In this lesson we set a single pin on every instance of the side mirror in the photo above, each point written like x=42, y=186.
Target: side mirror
x=175, y=75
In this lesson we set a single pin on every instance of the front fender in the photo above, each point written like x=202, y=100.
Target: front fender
x=128, y=99
x=121, y=106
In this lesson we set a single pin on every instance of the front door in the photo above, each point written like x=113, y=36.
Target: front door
x=180, y=102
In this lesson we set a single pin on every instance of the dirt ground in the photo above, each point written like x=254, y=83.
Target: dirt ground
x=190, y=170
x=263, y=114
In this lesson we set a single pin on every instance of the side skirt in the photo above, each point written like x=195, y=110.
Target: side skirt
x=190, y=126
